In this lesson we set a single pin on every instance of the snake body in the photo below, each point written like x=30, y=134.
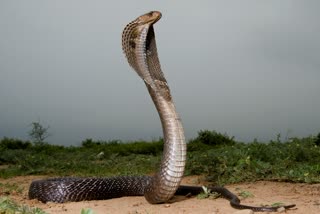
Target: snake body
x=139, y=46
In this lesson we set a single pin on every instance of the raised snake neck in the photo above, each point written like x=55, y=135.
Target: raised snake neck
x=139, y=46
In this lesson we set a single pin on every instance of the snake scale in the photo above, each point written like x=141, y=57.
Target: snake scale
x=139, y=46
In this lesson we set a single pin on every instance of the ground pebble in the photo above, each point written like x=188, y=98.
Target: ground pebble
x=243, y=212
x=281, y=210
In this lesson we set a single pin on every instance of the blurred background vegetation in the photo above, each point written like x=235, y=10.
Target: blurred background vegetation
x=217, y=156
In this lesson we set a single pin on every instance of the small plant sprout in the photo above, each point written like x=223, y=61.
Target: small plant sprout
x=207, y=194
x=87, y=211
x=244, y=194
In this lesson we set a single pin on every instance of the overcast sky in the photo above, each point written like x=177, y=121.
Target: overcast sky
x=247, y=68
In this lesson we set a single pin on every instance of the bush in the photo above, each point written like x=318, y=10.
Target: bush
x=89, y=143
x=317, y=140
x=9, y=143
x=214, y=138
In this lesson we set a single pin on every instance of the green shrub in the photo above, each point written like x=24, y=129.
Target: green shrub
x=317, y=140
x=196, y=145
x=9, y=143
x=124, y=149
x=214, y=138
x=89, y=143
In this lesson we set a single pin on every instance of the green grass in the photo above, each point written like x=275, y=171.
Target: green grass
x=218, y=156
x=7, y=206
x=244, y=193
x=9, y=188
x=207, y=194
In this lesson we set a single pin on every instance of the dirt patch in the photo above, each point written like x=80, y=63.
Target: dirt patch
x=305, y=196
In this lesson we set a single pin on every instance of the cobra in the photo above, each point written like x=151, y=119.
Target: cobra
x=139, y=46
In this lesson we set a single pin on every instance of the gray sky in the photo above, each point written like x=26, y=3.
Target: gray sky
x=247, y=68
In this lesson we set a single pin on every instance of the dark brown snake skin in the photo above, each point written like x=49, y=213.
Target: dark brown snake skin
x=139, y=46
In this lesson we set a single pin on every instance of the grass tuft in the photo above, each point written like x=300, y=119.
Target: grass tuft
x=7, y=206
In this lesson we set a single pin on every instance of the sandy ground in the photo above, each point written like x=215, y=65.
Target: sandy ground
x=305, y=196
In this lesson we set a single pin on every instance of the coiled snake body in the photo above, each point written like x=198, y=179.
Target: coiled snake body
x=139, y=46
